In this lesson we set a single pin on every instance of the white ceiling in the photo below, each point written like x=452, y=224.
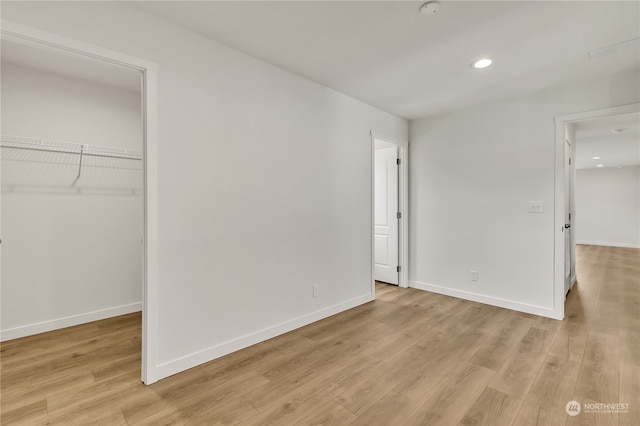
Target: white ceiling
x=596, y=138
x=71, y=65
x=387, y=54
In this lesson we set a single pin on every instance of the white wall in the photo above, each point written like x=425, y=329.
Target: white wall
x=42, y=104
x=264, y=184
x=608, y=206
x=68, y=257
x=472, y=174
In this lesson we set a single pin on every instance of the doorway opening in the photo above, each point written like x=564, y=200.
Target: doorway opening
x=75, y=189
x=593, y=150
x=390, y=211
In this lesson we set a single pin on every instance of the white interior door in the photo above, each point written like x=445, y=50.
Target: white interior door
x=385, y=213
x=567, y=216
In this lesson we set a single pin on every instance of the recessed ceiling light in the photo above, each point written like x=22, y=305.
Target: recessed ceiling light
x=620, y=130
x=481, y=63
x=599, y=165
x=595, y=158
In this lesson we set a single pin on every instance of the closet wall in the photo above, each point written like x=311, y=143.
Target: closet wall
x=70, y=253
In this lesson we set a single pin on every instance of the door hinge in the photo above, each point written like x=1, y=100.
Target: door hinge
x=398, y=215
x=569, y=217
x=569, y=161
x=398, y=161
x=397, y=269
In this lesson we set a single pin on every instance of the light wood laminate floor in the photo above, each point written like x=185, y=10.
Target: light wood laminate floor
x=410, y=357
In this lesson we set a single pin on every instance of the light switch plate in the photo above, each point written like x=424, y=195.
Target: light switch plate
x=536, y=206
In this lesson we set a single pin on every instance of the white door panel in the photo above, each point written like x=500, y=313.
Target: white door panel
x=567, y=217
x=385, y=214
x=381, y=250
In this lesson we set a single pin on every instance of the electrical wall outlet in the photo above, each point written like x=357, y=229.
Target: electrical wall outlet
x=474, y=275
x=316, y=290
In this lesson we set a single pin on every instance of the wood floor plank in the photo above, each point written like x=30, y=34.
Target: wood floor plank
x=207, y=390
x=533, y=413
x=492, y=408
x=629, y=394
x=449, y=405
x=380, y=414
x=24, y=413
x=222, y=409
x=630, y=346
x=328, y=414
x=325, y=385
x=410, y=357
x=553, y=387
x=494, y=354
x=570, y=341
x=15, y=397
x=607, y=317
x=517, y=375
x=360, y=395
x=598, y=378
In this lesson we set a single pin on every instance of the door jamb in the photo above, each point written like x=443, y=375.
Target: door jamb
x=403, y=205
x=31, y=36
x=559, y=198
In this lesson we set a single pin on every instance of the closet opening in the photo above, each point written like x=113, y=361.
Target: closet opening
x=72, y=199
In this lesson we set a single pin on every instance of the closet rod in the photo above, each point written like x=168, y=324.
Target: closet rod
x=131, y=157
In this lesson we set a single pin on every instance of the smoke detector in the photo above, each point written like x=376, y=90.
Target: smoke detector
x=430, y=8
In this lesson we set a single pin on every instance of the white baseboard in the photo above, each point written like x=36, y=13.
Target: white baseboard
x=183, y=363
x=56, y=324
x=487, y=300
x=600, y=243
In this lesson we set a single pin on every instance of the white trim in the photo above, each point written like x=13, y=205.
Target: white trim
x=488, y=300
x=151, y=277
x=70, y=321
x=27, y=35
x=559, y=213
x=24, y=34
x=183, y=363
x=601, y=243
x=403, y=191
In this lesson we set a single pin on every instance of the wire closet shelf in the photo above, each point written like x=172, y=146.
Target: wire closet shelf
x=44, y=145
x=83, y=157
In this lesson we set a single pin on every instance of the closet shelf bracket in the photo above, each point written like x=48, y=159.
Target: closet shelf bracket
x=79, y=166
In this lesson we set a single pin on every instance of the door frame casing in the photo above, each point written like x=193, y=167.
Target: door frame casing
x=561, y=122
x=27, y=35
x=403, y=206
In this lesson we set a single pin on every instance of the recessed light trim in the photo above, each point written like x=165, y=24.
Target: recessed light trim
x=595, y=158
x=481, y=63
x=599, y=165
